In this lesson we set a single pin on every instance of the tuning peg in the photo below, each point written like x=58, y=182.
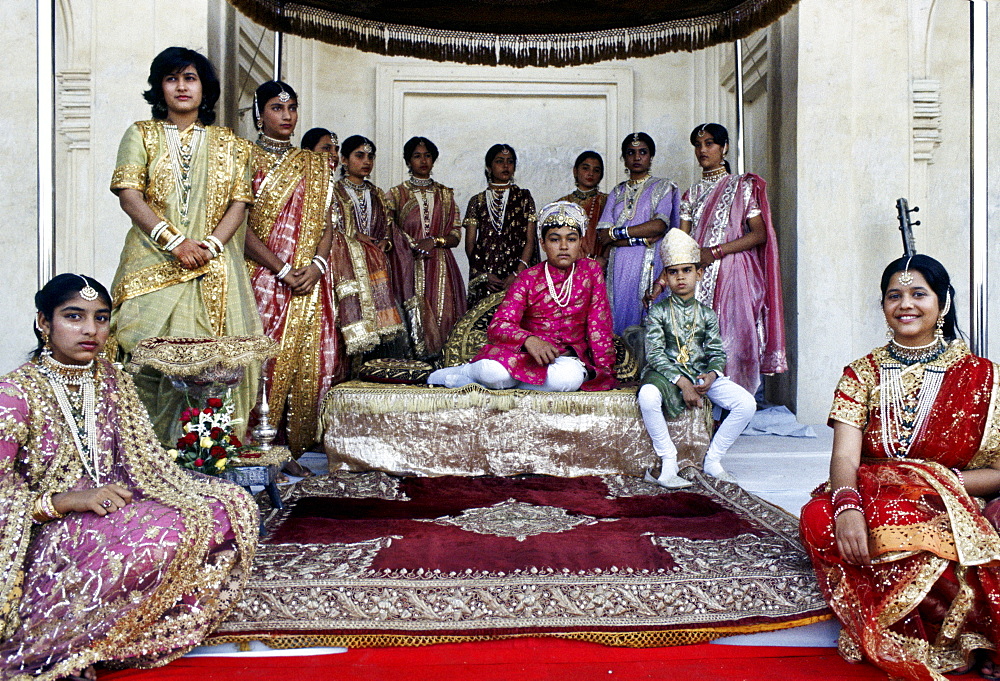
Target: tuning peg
x=915, y=223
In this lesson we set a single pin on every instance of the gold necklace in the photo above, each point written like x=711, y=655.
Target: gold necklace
x=683, y=353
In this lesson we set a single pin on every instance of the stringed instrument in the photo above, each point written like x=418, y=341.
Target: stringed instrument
x=903, y=211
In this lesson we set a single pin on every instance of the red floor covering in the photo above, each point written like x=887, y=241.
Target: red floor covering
x=524, y=660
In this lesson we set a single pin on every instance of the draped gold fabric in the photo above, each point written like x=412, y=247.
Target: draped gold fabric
x=519, y=32
x=476, y=431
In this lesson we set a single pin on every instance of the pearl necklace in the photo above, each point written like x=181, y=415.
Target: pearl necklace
x=714, y=175
x=911, y=354
x=181, y=153
x=496, y=205
x=565, y=292
x=902, y=423
x=82, y=421
x=420, y=181
x=359, y=197
x=633, y=189
x=275, y=146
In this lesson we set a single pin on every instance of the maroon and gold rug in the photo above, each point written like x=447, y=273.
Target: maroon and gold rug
x=366, y=559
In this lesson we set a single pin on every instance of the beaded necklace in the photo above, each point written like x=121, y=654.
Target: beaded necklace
x=82, y=416
x=420, y=189
x=181, y=153
x=907, y=355
x=275, y=146
x=496, y=205
x=584, y=195
x=633, y=189
x=565, y=292
x=362, y=207
x=904, y=416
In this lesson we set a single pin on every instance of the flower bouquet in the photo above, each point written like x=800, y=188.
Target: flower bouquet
x=208, y=442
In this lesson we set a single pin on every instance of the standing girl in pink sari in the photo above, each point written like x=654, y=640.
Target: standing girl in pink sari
x=729, y=216
x=288, y=244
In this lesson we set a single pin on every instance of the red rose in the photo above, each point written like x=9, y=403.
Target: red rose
x=207, y=410
x=199, y=462
x=235, y=441
x=189, y=439
x=216, y=433
x=217, y=451
x=215, y=402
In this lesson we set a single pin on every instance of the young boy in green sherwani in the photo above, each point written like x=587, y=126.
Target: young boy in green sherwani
x=685, y=361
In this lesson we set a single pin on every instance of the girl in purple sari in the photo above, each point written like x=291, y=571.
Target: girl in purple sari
x=109, y=552
x=637, y=215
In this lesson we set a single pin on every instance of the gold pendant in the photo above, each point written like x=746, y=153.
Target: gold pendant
x=683, y=356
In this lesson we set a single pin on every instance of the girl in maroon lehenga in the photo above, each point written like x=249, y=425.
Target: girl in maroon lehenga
x=426, y=212
x=902, y=552
x=500, y=227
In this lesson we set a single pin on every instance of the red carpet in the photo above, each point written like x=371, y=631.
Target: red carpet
x=524, y=660
x=365, y=560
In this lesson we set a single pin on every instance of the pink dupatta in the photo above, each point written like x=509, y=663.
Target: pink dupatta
x=747, y=285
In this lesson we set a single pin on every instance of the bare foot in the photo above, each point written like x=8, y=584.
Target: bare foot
x=88, y=674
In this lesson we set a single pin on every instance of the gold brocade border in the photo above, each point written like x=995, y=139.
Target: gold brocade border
x=129, y=176
x=989, y=448
x=154, y=278
x=361, y=397
x=616, y=639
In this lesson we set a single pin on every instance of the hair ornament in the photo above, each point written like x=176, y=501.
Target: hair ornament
x=635, y=139
x=88, y=292
x=334, y=140
x=906, y=276
x=367, y=148
x=283, y=96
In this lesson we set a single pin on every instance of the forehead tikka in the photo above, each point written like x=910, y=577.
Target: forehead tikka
x=367, y=148
x=88, y=292
x=906, y=276
x=635, y=139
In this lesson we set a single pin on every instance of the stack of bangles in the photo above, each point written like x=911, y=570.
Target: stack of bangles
x=166, y=236
x=44, y=510
x=321, y=264
x=958, y=474
x=283, y=272
x=717, y=252
x=214, y=246
x=846, y=498
x=440, y=242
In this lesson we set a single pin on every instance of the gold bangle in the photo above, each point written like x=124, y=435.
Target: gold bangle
x=440, y=242
x=167, y=233
x=44, y=510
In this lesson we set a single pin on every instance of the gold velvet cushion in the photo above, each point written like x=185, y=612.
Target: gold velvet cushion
x=469, y=336
x=386, y=370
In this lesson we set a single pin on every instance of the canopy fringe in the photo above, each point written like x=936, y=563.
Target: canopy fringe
x=520, y=50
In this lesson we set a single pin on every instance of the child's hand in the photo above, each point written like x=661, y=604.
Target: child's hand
x=688, y=392
x=541, y=351
x=705, y=382
x=658, y=287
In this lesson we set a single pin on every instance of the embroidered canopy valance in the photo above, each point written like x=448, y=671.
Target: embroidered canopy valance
x=518, y=32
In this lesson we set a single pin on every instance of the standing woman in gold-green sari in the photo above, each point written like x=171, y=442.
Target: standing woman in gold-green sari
x=185, y=185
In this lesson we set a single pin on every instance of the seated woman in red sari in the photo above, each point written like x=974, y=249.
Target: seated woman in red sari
x=902, y=552
x=553, y=329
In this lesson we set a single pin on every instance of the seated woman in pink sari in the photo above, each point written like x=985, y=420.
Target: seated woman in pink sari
x=903, y=553
x=111, y=552
x=553, y=329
